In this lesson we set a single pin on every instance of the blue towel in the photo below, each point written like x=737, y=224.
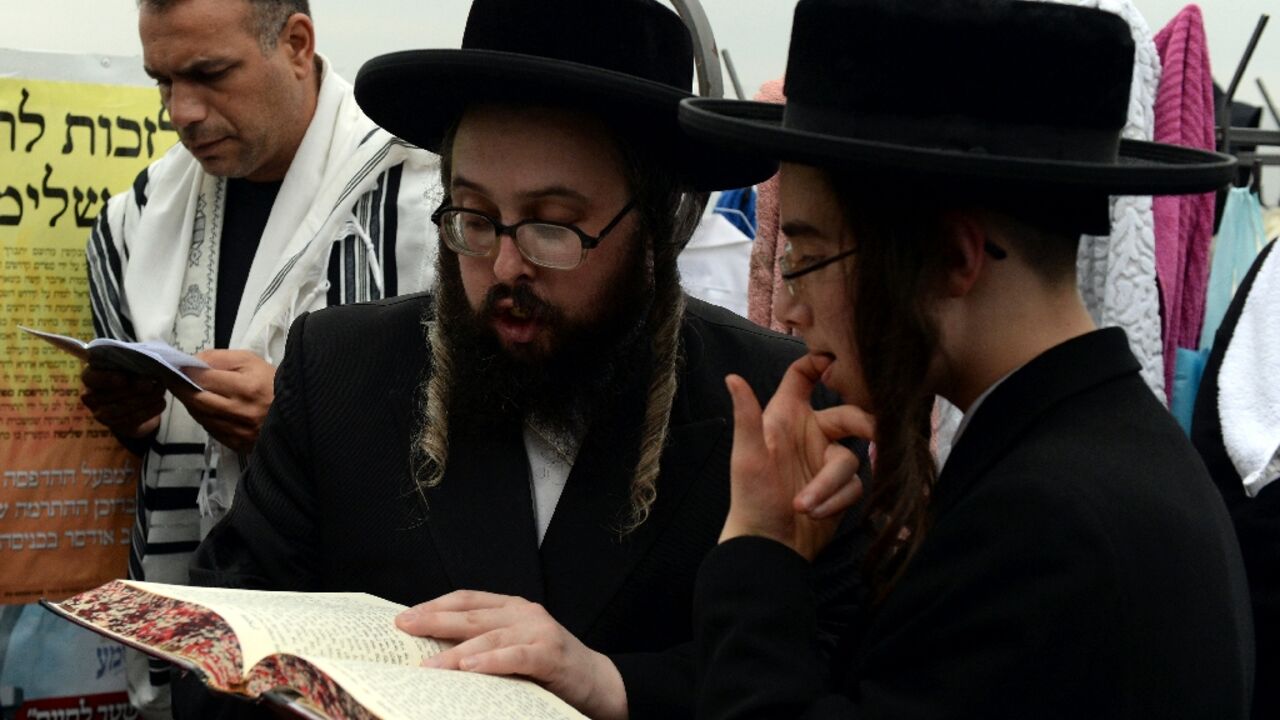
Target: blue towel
x=1240, y=239
x=1188, y=369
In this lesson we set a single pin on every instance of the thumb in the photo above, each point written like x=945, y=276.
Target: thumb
x=221, y=359
x=748, y=433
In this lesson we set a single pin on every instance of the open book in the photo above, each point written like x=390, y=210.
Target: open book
x=152, y=359
x=326, y=655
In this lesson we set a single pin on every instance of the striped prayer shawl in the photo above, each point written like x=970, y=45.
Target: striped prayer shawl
x=168, y=526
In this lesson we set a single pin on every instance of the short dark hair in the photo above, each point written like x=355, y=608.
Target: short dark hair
x=268, y=15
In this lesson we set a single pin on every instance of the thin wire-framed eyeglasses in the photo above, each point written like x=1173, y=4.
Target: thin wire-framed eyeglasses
x=559, y=246
x=791, y=274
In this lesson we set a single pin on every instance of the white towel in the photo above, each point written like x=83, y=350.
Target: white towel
x=1249, y=383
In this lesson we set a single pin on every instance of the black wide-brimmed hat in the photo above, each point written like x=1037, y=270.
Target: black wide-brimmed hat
x=966, y=95
x=630, y=61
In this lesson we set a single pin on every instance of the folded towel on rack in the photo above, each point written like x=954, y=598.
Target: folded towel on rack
x=1184, y=223
x=766, y=253
x=1248, y=394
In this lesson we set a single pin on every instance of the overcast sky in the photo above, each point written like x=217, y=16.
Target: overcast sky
x=756, y=32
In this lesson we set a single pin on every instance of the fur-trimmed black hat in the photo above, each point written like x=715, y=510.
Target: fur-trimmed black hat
x=630, y=61
x=979, y=95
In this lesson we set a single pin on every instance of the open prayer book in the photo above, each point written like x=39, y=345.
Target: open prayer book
x=151, y=359
x=326, y=655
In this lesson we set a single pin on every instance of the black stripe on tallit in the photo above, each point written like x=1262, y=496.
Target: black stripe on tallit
x=140, y=188
x=172, y=548
x=334, y=296
x=350, y=293
x=102, y=245
x=177, y=448
x=390, y=221
x=170, y=498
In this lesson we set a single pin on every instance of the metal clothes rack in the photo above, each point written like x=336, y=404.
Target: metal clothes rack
x=705, y=54
x=1229, y=137
x=706, y=57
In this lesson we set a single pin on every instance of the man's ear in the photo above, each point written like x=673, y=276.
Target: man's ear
x=298, y=40
x=965, y=235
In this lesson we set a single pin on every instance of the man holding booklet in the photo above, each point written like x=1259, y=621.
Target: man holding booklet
x=540, y=450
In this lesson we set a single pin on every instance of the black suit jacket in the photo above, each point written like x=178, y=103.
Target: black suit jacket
x=329, y=503
x=1079, y=565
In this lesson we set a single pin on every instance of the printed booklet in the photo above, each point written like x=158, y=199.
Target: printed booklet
x=322, y=655
x=151, y=359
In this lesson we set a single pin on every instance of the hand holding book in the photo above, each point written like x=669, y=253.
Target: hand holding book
x=334, y=655
x=228, y=392
x=506, y=635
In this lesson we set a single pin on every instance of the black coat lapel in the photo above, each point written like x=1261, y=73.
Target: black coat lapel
x=481, y=516
x=1058, y=373
x=585, y=558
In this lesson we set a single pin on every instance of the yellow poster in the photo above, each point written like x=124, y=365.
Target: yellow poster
x=67, y=488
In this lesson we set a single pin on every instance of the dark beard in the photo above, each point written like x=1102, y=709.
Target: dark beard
x=582, y=377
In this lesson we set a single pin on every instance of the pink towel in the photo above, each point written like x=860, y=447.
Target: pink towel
x=1184, y=223
x=766, y=275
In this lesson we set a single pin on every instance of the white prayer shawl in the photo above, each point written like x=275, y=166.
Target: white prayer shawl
x=334, y=166
x=1248, y=392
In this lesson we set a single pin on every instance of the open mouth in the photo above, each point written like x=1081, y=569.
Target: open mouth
x=517, y=324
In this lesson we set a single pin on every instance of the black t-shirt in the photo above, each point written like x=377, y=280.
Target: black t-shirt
x=248, y=207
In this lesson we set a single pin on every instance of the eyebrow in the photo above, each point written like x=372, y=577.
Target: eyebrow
x=550, y=191
x=800, y=229
x=196, y=67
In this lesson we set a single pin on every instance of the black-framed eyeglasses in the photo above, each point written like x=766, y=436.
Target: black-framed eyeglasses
x=790, y=273
x=560, y=246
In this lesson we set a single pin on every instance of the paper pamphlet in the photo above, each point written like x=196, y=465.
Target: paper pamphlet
x=152, y=358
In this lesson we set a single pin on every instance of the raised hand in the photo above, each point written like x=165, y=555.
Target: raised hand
x=791, y=478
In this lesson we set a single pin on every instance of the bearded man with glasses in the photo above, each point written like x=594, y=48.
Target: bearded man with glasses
x=540, y=451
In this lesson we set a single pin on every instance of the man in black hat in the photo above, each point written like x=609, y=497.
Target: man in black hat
x=1071, y=559
x=549, y=434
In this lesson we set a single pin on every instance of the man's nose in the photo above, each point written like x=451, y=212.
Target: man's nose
x=186, y=105
x=510, y=265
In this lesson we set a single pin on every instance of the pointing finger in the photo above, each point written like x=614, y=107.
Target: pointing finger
x=748, y=436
